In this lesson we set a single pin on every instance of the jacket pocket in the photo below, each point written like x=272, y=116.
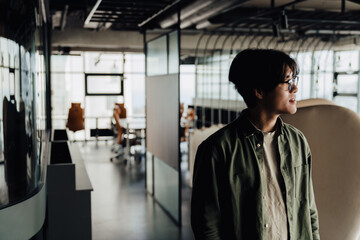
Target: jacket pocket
x=301, y=181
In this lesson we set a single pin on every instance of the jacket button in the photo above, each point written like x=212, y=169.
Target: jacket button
x=258, y=145
x=266, y=225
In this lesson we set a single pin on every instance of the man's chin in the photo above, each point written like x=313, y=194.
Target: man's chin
x=290, y=111
x=293, y=111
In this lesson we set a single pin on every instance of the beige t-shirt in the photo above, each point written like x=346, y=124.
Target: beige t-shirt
x=274, y=200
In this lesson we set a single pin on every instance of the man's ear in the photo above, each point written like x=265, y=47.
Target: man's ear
x=259, y=94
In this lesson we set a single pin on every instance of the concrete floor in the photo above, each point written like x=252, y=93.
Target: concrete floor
x=121, y=208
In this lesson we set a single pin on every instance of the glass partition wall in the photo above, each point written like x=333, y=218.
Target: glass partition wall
x=24, y=78
x=163, y=171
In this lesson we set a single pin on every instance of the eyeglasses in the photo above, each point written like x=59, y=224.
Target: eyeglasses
x=292, y=82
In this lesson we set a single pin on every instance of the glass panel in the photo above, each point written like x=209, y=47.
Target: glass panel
x=347, y=102
x=224, y=91
x=134, y=93
x=166, y=187
x=173, y=52
x=324, y=87
x=304, y=61
x=101, y=106
x=347, y=83
x=187, y=83
x=149, y=172
x=12, y=83
x=233, y=94
x=100, y=109
x=157, y=63
x=323, y=60
x=346, y=61
x=304, y=88
x=135, y=63
x=66, y=88
x=61, y=63
x=12, y=52
x=4, y=52
x=5, y=83
x=104, y=84
x=215, y=91
x=98, y=62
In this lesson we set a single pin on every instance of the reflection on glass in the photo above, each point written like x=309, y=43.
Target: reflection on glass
x=157, y=63
x=22, y=111
x=173, y=52
x=149, y=172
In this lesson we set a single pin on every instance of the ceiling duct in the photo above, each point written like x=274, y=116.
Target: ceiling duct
x=185, y=12
x=200, y=11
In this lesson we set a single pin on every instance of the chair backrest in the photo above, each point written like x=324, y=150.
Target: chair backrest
x=195, y=139
x=75, y=121
x=333, y=133
x=122, y=109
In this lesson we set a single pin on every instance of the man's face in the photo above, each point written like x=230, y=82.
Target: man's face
x=280, y=100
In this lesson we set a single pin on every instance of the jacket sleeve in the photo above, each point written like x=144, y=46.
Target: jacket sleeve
x=205, y=203
x=313, y=209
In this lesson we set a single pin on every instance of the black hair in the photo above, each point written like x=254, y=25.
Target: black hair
x=261, y=69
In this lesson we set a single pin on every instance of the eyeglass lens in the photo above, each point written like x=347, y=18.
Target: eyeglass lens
x=292, y=82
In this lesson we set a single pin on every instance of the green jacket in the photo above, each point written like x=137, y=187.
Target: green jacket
x=229, y=184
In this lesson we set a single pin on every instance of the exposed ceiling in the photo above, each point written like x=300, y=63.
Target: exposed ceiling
x=104, y=14
x=269, y=16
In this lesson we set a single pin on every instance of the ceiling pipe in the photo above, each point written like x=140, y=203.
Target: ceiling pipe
x=208, y=25
x=156, y=15
x=63, y=17
x=214, y=9
x=93, y=10
x=185, y=12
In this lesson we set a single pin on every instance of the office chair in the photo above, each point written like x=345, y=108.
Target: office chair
x=75, y=121
x=333, y=133
x=123, y=136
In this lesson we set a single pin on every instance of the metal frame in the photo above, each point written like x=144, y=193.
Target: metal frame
x=121, y=93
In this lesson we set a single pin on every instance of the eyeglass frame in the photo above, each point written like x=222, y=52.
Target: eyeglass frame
x=292, y=82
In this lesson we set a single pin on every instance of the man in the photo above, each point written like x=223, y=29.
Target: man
x=252, y=178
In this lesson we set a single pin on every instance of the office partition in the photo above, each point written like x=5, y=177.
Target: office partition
x=162, y=123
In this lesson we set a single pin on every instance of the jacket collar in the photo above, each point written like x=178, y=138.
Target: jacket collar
x=248, y=129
